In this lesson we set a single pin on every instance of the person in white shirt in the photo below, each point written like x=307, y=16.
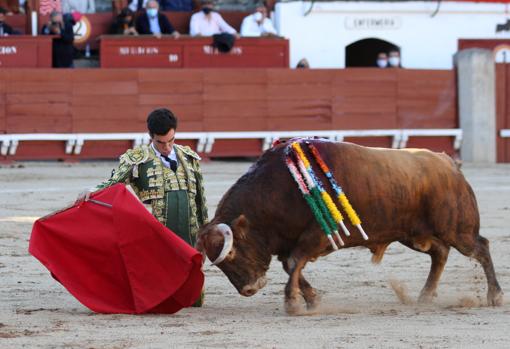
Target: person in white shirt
x=258, y=24
x=207, y=22
x=82, y=6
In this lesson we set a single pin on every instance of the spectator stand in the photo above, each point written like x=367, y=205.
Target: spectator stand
x=93, y=25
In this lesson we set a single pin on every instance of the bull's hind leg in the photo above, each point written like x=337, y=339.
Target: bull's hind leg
x=309, y=293
x=438, y=252
x=480, y=251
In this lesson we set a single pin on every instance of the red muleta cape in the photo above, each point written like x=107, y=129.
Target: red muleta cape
x=118, y=259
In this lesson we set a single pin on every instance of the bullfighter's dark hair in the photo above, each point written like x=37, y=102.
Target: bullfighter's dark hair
x=160, y=121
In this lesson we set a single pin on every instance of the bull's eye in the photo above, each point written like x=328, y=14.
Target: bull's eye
x=231, y=254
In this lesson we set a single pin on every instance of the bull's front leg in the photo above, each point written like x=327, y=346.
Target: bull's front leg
x=309, y=293
x=293, y=295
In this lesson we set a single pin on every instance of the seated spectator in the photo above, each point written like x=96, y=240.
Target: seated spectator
x=208, y=22
x=151, y=21
x=137, y=5
x=394, y=59
x=10, y=6
x=176, y=5
x=382, y=60
x=82, y=6
x=303, y=64
x=258, y=24
x=5, y=29
x=63, y=49
x=124, y=23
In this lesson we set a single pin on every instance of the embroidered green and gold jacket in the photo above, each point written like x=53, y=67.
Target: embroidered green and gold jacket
x=156, y=185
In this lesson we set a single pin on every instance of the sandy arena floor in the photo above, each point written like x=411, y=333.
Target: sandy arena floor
x=364, y=306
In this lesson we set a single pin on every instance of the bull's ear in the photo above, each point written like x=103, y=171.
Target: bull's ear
x=209, y=243
x=240, y=226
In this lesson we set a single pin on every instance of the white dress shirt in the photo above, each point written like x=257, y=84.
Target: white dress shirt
x=172, y=156
x=204, y=26
x=250, y=27
x=154, y=24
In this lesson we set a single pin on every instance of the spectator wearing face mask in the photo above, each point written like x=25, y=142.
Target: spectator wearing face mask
x=208, y=22
x=258, y=24
x=154, y=22
x=394, y=59
x=382, y=60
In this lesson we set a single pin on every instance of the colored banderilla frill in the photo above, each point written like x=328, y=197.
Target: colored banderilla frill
x=353, y=217
x=309, y=199
x=321, y=196
x=322, y=205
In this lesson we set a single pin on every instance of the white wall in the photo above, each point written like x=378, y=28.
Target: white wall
x=426, y=42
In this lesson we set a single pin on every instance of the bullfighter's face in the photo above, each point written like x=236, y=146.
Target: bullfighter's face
x=241, y=259
x=164, y=143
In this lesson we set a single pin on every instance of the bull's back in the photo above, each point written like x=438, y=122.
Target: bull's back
x=408, y=190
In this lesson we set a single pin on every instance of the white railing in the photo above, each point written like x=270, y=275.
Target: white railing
x=456, y=133
x=74, y=142
x=505, y=133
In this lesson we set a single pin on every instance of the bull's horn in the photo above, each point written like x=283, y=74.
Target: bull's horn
x=227, y=245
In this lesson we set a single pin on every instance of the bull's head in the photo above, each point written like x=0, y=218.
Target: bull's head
x=237, y=253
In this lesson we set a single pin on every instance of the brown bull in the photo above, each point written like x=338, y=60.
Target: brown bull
x=413, y=196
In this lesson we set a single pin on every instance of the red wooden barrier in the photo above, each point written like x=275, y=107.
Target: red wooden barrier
x=25, y=51
x=118, y=100
x=187, y=52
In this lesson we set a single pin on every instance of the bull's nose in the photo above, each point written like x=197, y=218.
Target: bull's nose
x=248, y=291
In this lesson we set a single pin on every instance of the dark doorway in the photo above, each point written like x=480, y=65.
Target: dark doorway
x=363, y=53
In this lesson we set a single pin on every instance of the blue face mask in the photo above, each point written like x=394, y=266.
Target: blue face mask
x=152, y=12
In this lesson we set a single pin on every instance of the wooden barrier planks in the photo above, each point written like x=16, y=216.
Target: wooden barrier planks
x=146, y=51
x=209, y=100
x=365, y=99
x=426, y=99
x=25, y=51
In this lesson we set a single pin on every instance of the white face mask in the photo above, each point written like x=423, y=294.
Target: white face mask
x=257, y=16
x=152, y=12
x=394, y=61
x=382, y=63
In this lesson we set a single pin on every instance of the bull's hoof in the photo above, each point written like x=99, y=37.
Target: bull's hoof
x=495, y=299
x=294, y=306
x=426, y=297
x=314, y=302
